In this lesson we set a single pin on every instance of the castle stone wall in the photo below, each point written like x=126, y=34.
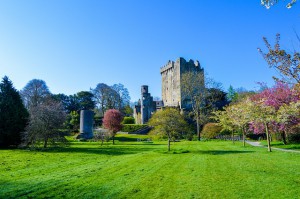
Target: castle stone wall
x=171, y=74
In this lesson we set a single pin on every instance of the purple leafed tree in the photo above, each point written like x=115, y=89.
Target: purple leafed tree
x=112, y=121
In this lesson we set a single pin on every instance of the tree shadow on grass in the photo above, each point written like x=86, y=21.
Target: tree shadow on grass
x=126, y=139
x=101, y=150
x=220, y=152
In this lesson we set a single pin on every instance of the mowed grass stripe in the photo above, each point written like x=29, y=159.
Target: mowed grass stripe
x=213, y=169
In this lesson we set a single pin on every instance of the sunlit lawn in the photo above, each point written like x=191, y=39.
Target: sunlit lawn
x=132, y=169
x=279, y=144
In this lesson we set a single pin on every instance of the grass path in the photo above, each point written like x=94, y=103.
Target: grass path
x=213, y=169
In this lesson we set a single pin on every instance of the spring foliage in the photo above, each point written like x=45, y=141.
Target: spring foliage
x=112, y=121
x=168, y=122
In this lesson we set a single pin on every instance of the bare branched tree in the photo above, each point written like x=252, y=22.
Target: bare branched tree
x=201, y=95
x=287, y=64
x=46, y=120
x=34, y=93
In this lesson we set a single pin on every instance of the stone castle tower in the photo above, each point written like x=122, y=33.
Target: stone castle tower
x=171, y=76
x=172, y=95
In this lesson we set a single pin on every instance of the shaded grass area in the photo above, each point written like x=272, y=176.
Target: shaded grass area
x=131, y=169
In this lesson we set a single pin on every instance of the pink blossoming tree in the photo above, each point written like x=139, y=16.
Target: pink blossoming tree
x=112, y=121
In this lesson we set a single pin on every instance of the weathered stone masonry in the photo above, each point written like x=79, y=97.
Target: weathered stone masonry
x=172, y=95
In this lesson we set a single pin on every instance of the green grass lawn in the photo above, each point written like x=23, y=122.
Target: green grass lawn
x=279, y=144
x=131, y=169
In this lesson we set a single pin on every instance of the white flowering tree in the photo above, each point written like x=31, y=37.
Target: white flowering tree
x=269, y=3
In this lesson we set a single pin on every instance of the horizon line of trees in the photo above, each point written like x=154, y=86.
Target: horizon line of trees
x=34, y=115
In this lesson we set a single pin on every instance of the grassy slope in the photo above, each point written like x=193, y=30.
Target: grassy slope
x=145, y=170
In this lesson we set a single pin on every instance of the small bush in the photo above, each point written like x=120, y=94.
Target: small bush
x=132, y=127
x=128, y=120
x=211, y=130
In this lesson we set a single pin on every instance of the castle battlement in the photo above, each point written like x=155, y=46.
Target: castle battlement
x=168, y=66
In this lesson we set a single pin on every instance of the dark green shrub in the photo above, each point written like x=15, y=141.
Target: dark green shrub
x=98, y=121
x=132, y=127
x=294, y=138
x=211, y=130
x=128, y=120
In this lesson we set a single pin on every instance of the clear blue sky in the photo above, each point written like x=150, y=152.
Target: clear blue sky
x=74, y=45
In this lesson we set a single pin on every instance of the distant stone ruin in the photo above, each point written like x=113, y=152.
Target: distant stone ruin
x=86, y=124
x=146, y=106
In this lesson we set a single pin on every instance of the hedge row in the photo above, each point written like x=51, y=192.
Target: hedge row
x=128, y=120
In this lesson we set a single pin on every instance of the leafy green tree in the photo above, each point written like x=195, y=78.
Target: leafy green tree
x=232, y=95
x=86, y=101
x=13, y=114
x=128, y=111
x=69, y=102
x=75, y=120
x=288, y=115
x=106, y=97
x=288, y=112
x=235, y=116
x=259, y=112
x=239, y=115
x=168, y=122
x=225, y=121
x=72, y=121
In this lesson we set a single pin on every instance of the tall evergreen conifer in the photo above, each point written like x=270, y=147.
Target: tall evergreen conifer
x=13, y=114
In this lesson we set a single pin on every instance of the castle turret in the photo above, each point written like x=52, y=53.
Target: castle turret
x=144, y=104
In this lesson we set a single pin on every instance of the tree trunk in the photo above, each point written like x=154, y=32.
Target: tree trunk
x=198, y=127
x=45, y=142
x=283, y=136
x=233, y=137
x=268, y=138
x=169, y=144
x=244, y=141
x=102, y=139
x=113, y=139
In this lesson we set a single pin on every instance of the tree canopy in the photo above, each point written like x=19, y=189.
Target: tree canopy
x=13, y=114
x=168, y=122
x=34, y=93
x=112, y=121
